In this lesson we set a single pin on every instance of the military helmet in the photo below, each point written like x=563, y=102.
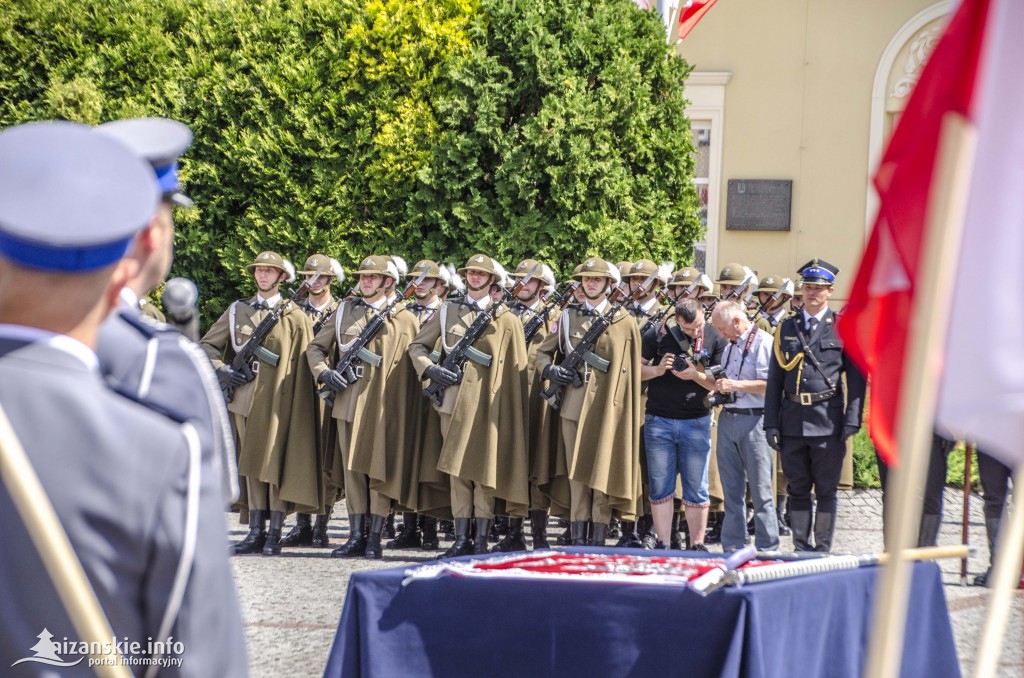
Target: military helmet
x=799, y=291
x=685, y=277
x=624, y=267
x=642, y=268
x=732, y=274
x=380, y=265
x=771, y=283
x=272, y=259
x=324, y=265
x=596, y=267
x=541, y=271
x=480, y=262
x=425, y=266
x=704, y=282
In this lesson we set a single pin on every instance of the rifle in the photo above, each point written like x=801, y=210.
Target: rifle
x=456, y=358
x=534, y=324
x=348, y=364
x=583, y=352
x=655, y=319
x=322, y=322
x=762, y=309
x=741, y=292
x=254, y=347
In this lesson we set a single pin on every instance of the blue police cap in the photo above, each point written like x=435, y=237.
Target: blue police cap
x=70, y=199
x=160, y=142
x=818, y=272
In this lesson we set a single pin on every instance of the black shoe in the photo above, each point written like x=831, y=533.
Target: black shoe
x=598, y=534
x=982, y=579
x=675, y=538
x=257, y=537
x=513, y=539
x=699, y=547
x=463, y=545
x=409, y=537
x=447, y=528
x=356, y=544
x=564, y=539
x=652, y=543
x=373, y=548
x=751, y=527
x=578, y=532
x=320, y=538
x=429, y=540
x=301, y=534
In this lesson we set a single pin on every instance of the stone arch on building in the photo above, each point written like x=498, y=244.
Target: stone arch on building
x=898, y=71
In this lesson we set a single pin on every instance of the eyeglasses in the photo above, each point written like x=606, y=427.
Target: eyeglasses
x=697, y=323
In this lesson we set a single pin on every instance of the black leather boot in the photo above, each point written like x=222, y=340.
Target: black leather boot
x=615, y=528
x=800, y=523
x=564, y=539
x=539, y=527
x=373, y=548
x=928, y=535
x=513, y=540
x=598, y=534
x=389, y=526
x=301, y=534
x=675, y=539
x=578, y=532
x=409, y=537
x=499, y=527
x=780, y=513
x=320, y=538
x=483, y=533
x=356, y=544
x=447, y=528
x=463, y=545
x=824, y=527
x=257, y=537
x=629, y=539
x=714, y=533
x=272, y=546
x=429, y=540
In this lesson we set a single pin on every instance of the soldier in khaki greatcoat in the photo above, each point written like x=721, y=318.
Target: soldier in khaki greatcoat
x=483, y=410
x=272, y=414
x=321, y=271
x=600, y=409
x=372, y=434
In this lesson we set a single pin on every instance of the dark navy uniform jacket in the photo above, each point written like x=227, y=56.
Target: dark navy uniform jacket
x=822, y=417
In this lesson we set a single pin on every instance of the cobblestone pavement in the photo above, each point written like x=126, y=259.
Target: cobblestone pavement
x=291, y=604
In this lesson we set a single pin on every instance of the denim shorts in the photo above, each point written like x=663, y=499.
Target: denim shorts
x=680, y=446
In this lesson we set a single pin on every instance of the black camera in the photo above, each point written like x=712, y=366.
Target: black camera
x=711, y=400
x=682, y=362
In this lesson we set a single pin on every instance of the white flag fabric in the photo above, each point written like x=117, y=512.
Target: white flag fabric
x=982, y=394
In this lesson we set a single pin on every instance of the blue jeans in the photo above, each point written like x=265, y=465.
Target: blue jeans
x=680, y=446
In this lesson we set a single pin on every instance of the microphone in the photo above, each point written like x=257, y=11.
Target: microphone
x=179, y=300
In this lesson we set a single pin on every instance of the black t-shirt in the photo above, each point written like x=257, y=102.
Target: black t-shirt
x=669, y=396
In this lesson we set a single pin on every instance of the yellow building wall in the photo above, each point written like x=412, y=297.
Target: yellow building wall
x=798, y=106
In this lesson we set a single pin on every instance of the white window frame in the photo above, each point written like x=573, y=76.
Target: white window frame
x=706, y=93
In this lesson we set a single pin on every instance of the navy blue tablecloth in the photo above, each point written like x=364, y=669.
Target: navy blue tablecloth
x=808, y=626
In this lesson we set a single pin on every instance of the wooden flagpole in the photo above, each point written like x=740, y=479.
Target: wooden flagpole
x=947, y=203
x=1003, y=580
x=51, y=541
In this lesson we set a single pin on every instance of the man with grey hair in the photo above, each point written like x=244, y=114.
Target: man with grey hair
x=743, y=451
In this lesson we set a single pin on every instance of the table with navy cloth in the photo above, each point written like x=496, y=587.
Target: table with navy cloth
x=816, y=625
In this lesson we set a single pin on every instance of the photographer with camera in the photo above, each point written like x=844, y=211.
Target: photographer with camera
x=677, y=424
x=743, y=452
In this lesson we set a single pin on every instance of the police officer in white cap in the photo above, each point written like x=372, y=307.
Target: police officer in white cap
x=115, y=474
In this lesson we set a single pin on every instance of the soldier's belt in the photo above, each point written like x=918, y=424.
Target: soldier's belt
x=810, y=398
x=596, y=361
x=478, y=356
x=369, y=357
x=267, y=356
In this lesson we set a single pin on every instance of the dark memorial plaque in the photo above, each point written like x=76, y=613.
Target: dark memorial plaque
x=759, y=204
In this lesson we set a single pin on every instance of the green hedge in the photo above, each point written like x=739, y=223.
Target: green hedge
x=519, y=127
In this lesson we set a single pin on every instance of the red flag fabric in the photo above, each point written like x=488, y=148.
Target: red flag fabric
x=874, y=326
x=692, y=12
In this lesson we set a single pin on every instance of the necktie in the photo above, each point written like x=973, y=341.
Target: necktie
x=811, y=324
